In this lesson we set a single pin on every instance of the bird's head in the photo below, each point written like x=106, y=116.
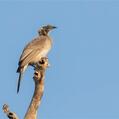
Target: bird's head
x=45, y=29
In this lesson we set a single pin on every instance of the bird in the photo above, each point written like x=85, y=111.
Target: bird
x=36, y=49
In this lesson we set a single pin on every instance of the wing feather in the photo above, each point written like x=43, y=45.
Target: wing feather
x=35, y=44
x=30, y=57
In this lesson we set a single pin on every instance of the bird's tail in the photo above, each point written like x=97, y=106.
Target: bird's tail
x=19, y=80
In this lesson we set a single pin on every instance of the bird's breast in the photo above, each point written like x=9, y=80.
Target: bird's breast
x=43, y=51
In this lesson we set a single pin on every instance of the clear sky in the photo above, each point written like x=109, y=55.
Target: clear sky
x=83, y=80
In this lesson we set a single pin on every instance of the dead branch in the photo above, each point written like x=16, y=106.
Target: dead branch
x=39, y=76
x=39, y=88
x=9, y=114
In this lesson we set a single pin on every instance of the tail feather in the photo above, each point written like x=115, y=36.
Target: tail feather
x=18, y=69
x=19, y=80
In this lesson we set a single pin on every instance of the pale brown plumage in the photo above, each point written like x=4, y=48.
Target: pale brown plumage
x=34, y=51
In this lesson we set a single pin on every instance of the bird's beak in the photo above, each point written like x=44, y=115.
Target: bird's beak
x=54, y=27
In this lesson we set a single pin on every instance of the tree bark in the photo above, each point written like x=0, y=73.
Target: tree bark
x=39, y=76
x=9, y=114
x=36, y=100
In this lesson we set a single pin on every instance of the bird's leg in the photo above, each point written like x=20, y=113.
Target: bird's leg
x=33, y=65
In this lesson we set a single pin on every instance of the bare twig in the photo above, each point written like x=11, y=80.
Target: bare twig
x=10, y=115
x=39, y=88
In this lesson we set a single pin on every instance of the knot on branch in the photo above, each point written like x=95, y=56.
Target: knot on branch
x=5, y=108
x=42, y=64
x=39, y=74
x=10, y=115
x=40, y=68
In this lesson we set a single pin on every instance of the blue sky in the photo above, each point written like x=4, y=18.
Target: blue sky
x=83, y=80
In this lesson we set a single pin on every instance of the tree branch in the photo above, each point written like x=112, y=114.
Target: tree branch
x=9, y=114
x=39, y=76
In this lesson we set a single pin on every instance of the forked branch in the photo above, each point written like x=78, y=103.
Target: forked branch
x=39, y=76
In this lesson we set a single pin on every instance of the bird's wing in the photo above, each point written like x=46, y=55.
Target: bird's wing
x=34, y=44
x=30, y=57
x=32, y=49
